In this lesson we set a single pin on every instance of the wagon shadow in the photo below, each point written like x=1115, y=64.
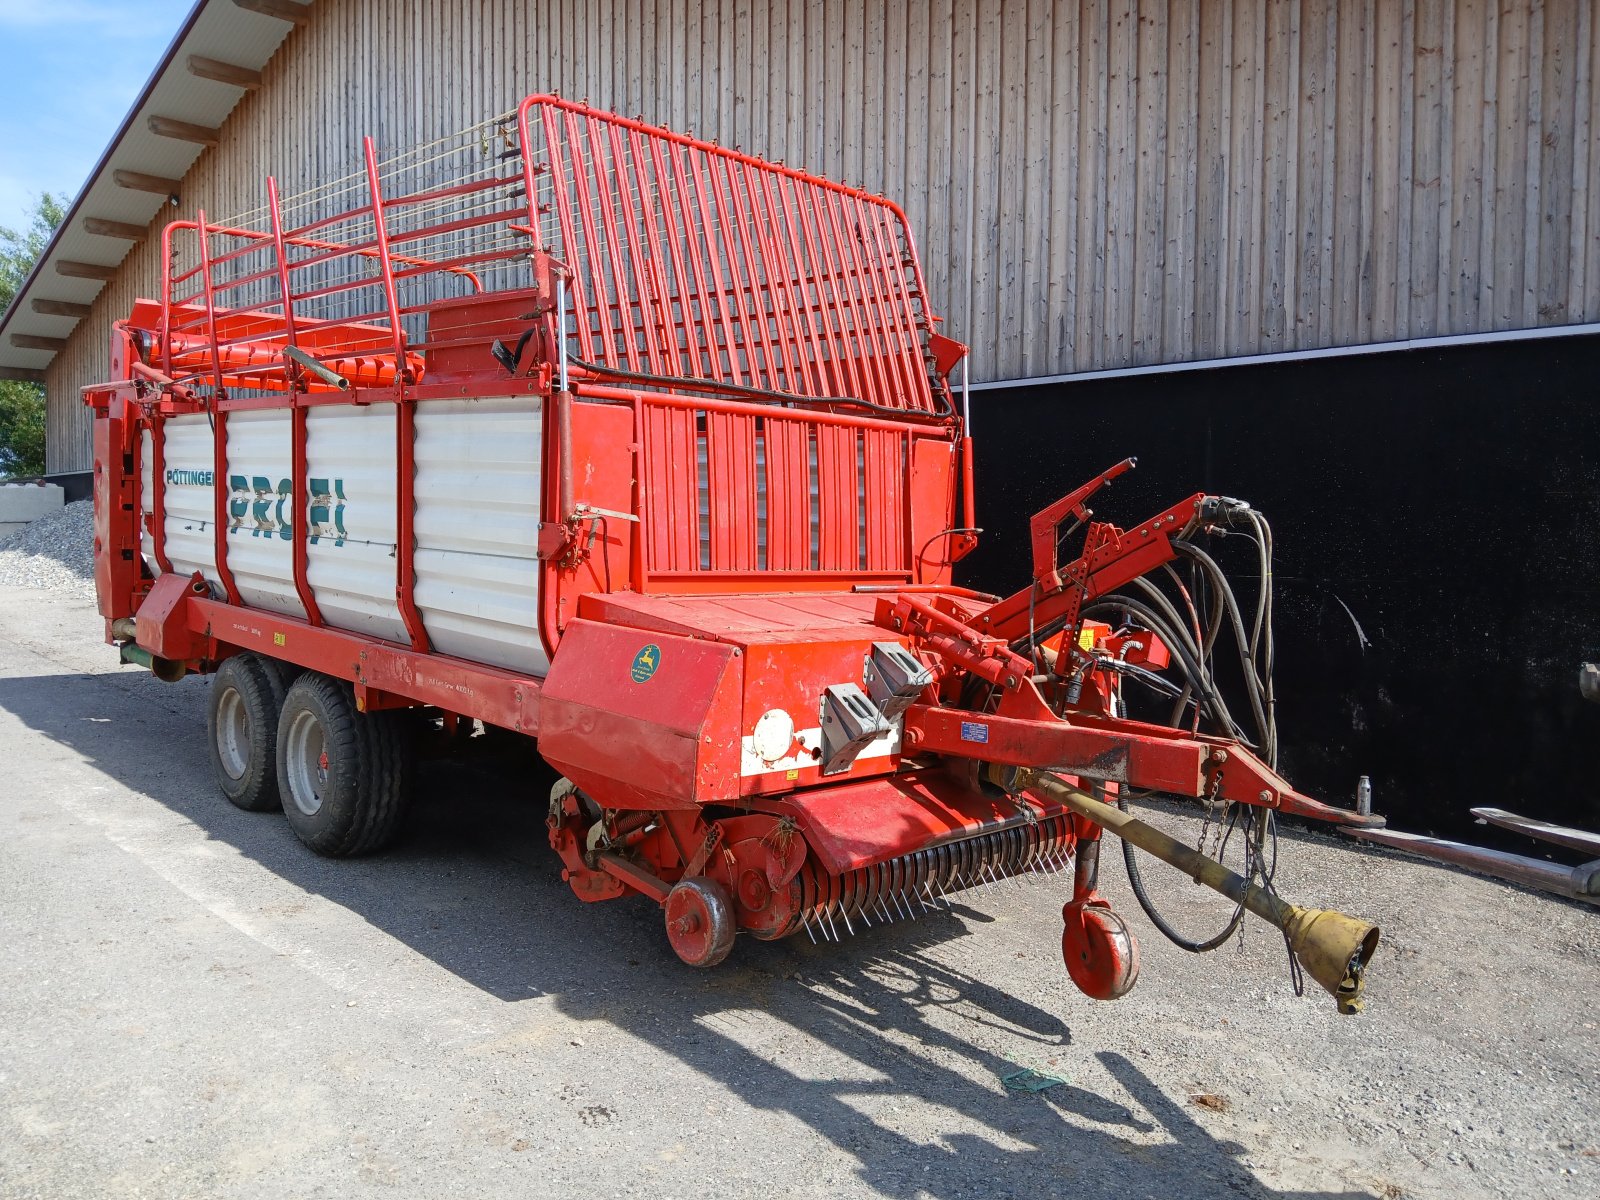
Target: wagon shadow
x=474, y=888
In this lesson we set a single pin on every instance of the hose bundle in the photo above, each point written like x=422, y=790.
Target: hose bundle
x=1192, y=626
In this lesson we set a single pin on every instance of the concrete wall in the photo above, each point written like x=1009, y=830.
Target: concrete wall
x=27, y=502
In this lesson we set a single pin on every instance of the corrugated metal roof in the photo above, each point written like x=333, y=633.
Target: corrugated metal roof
x=215, y=29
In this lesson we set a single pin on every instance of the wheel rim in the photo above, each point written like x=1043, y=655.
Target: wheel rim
x=233, y=734
x=700, y=922
x=1100, y=951
x=306, y=757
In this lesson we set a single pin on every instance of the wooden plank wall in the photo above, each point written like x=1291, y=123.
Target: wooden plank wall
x=1093, y=183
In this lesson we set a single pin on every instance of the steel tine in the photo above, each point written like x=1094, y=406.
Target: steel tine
x=884, y=909
x=805, y=923
x=1012, y=871
x=971, y=874
x=898, y=903
x=828, y=913
x=899, y=878
x=845, y=917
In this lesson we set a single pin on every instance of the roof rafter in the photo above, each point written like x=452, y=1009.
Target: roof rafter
x=184, y=131
x=218, y=71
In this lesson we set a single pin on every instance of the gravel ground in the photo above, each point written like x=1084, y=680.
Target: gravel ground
x=55, y=553
x=194, y=1005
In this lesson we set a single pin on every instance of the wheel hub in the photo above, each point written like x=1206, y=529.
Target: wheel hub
x=700, y=921
x=233, y=733
x=306, y=759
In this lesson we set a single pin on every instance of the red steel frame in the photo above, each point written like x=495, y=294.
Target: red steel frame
x=797, y=306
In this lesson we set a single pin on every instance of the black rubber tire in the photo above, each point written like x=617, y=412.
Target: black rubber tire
x=281, y=674
x=360, y=801
x=245, y=678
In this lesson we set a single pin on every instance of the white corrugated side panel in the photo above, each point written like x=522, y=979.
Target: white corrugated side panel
x=350, y=452
x=191, y=512
x=477, y=529
x=477, y=521
x=147, y=545
x=261, y=511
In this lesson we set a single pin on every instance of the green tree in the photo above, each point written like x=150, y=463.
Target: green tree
x=22, y=404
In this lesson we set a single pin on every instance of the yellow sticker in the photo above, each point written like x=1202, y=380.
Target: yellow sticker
x=792, y=776
x=1086, y=639
x=279, y=639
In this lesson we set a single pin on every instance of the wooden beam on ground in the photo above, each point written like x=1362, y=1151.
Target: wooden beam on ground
x=138, y=181
x=21, y=375
x=81, y=270
x=283, y=10
x=28, y=341
x=60, y=308
x=114, y=229
x=170, y=127
x=218, y=71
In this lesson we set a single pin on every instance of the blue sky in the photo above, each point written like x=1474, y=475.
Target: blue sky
x=72, y=70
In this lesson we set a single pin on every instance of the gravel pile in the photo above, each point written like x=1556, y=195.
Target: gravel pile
x=55, y=553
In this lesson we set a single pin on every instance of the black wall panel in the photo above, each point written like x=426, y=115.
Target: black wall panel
x=1437, y=519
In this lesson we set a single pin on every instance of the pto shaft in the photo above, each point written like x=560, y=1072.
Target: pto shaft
x=1333, y=948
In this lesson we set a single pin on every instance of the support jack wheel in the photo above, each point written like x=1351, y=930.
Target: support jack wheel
x=700, y=923
x=1100, y=951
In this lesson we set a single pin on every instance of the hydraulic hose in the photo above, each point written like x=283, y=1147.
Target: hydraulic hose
x=1179, y=643
x=1251, y=679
